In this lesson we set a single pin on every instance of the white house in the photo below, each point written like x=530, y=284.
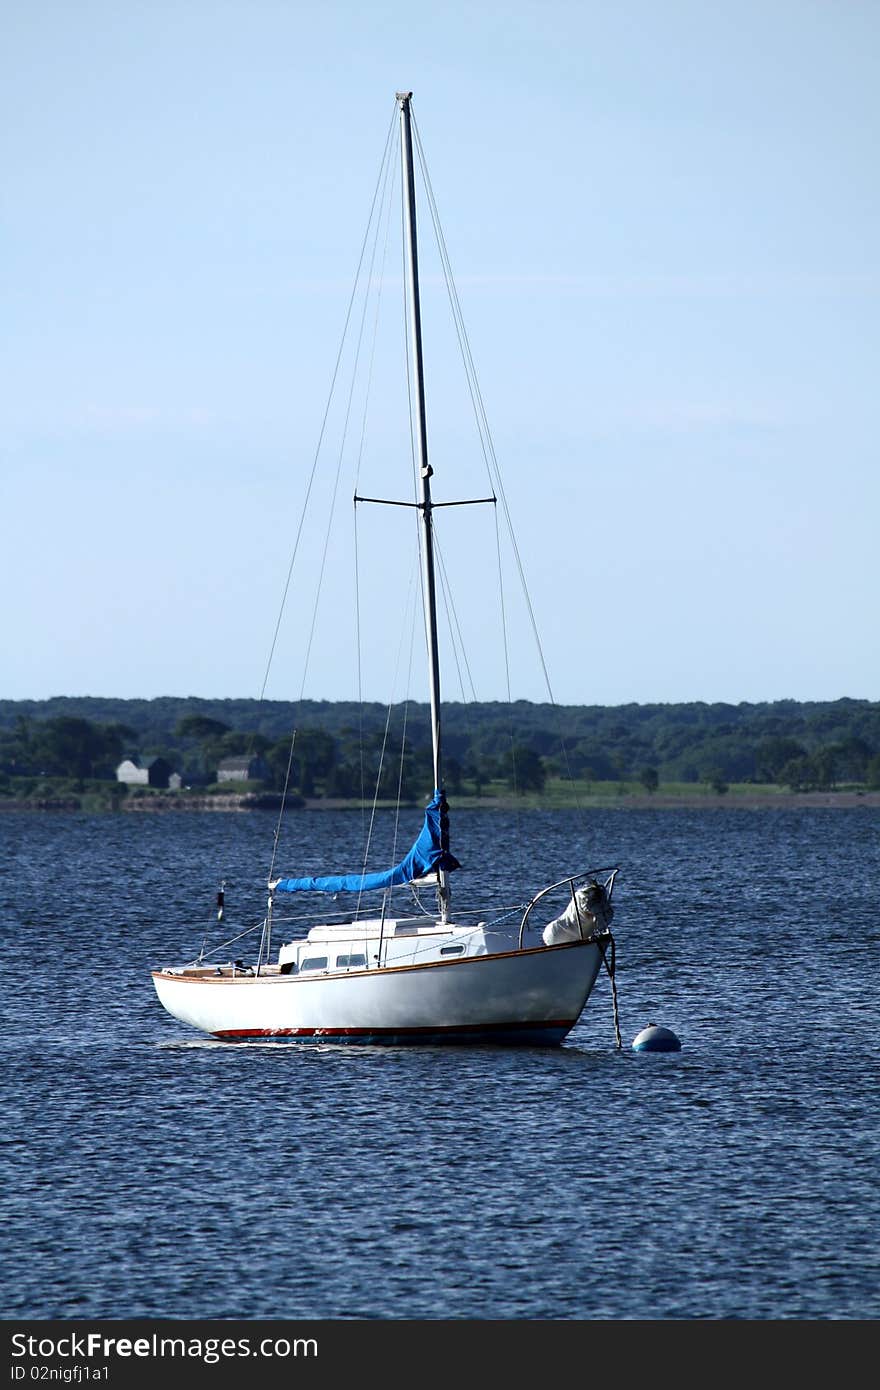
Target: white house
x=156, y=772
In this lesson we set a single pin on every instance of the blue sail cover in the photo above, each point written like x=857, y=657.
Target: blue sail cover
x=430, y=852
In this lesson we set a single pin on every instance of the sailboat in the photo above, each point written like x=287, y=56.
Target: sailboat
x=378, y=972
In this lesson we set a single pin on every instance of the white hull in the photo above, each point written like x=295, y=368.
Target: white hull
x=532, y=996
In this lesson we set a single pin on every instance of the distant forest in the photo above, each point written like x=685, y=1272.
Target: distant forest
x=338, y=750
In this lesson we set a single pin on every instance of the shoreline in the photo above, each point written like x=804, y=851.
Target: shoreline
x=625, y=801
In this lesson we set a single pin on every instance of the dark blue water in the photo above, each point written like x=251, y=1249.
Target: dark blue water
x=150, y=1173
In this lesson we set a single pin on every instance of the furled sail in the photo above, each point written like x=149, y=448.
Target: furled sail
x=429, y=853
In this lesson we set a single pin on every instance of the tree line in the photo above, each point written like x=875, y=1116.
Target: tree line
x=343, y=749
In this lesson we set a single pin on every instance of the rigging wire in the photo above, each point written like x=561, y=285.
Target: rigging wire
x=412, y=639
x=382, y=175
x=484, y=433
x=383, y=749
x=457, y=643
x=490, y=457
x=339, y=462
x=300, y=530
x=372, y=221
x=519, y=836
x=326, y=411
x=387, y=195
x=459, y=650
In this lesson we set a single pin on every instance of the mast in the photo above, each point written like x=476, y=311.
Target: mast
x=429, y=589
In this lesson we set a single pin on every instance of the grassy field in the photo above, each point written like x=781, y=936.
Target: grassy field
x=70, y=794
x=560, y=795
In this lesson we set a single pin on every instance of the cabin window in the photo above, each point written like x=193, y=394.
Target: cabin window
x=451, y=950
x=349, y=962
x=314, y=963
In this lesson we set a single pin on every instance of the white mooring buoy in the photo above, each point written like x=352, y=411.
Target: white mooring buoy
x=656, y=1039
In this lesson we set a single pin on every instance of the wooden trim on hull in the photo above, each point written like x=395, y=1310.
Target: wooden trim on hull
x=323, y=976
x=546, y=1032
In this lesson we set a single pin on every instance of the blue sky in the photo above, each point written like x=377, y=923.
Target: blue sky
x=664, y=223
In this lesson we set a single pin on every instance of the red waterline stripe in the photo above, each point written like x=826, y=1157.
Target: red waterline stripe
x=392, y=1032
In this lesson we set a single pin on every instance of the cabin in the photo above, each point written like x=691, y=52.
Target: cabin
x=153, y=772
x=242, y=769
